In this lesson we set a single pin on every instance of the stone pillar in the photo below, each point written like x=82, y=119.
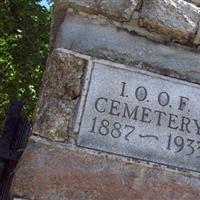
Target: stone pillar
x=119, y=71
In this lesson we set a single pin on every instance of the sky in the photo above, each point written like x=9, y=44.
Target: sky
x=44, y=3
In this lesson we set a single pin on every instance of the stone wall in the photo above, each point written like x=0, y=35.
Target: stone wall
x=160, y=36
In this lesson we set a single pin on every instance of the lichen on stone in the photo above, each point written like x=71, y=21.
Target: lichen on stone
x=59, y=96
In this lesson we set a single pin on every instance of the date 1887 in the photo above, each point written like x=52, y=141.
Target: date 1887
x=116, y=129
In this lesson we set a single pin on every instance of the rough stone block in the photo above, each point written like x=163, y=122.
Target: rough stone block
x=176, y=19
x=60, y=91
x=52, y=173
x=195, y=2
x=105, y=41
x=117, y=9
x=173, y=21
x=197, y=37
x=54, y=165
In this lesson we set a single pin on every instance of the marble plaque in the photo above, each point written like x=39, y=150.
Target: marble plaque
x=142, y=115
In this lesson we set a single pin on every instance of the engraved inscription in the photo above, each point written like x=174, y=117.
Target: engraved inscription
x=142, y=115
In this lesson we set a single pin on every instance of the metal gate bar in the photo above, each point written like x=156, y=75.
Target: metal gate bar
x=12, y=144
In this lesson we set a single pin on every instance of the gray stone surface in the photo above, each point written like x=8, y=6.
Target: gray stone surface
x=19, y=199
x=59, y=96
x=48, y=172
x=197, y=37
x=174, y=21
x=106, y=41
x=174, y=18
x=144, y=116
x=144, y=34
x=195, y=2
x=116, y=9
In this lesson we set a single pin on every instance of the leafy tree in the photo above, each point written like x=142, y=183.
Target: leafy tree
x=24, y=35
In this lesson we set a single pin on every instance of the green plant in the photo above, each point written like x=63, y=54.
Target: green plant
x=24, y=36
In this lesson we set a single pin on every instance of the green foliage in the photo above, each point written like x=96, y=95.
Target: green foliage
x=24, y=35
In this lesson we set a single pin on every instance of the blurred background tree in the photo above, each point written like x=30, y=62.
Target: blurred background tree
x=24, y=37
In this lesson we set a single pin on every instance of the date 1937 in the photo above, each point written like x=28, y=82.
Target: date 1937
x=183, y=144
x=117, y=130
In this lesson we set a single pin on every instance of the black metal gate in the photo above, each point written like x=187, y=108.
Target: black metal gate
x=12, y=144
